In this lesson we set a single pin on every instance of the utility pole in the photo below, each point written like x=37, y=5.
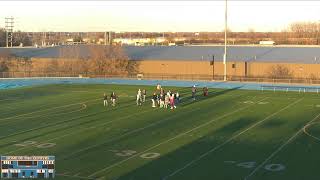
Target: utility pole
x=110, y=38
x=105, y=38
x=212, y=62
x=9, y=31
x=225, y=42
x=318, y=29
x=44, y=38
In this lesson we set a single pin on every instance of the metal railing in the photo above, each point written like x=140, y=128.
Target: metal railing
x=192, y=77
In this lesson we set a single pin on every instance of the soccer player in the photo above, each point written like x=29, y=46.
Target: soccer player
x=205, y=91
x=154, y=99
x=158, y=100
x=144, y=93
x=166, y=101
x=172, y=101
x=158, y=87
x=138, y=98
x=178, y=97
x=162, y=91
x=105, y=100
x=113, y=98
x=194, y=91
x=162, y=99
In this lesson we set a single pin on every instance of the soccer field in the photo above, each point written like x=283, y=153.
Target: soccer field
x=230, y=135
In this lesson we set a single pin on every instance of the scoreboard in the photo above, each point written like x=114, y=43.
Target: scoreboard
x=27, y=167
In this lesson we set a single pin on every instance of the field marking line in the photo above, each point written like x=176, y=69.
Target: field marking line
x=83, y=107
x=91, y=128
x=215, y=102
x=8, y=99
x=53, y=124
x=83, y=129
x=128, y=133
x=12, y=117
x=171, y=139
x=79, y=91
x=307, y=133
x=279, y=149
x=48, y=125
x=229, y=140
x=74, y=176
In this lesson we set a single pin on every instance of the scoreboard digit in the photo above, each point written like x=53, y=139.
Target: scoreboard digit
x=27, y=167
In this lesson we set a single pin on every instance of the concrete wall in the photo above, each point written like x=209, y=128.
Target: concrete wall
x=189, y=67
x=234, y=68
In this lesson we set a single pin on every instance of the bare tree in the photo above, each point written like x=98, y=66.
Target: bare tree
x=5, y=60
x=109, y=60
x=279, y=72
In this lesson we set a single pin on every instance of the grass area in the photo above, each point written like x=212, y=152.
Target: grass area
x=230, y=135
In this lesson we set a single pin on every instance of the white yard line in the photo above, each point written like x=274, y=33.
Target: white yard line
x=74, y=176
x=173, y=138
x=12, y=117
x=136, y=130
x=128, y=133
x=48, y=125
x=279, y=149
x=9, y=99
x=84, y=129
x=83, y=107
x=227, y=141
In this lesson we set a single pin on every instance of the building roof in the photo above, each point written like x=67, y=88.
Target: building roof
x=306, y=55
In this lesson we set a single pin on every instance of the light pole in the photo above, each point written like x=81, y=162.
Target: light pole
x=225, y=42
x=164, y=70
x=318, y=29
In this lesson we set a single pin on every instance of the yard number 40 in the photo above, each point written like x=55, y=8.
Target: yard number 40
x=252, y=164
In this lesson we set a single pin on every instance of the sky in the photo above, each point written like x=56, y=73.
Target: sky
x=157, y=16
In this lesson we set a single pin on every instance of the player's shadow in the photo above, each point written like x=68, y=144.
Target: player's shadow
x=159, y=168
x=188, y=100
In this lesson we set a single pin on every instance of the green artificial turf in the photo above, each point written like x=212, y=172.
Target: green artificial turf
x=230, y=135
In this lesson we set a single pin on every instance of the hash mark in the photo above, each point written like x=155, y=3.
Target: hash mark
x=231, y=162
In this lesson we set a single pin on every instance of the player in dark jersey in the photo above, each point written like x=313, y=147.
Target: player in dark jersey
x=177, y=97
x=113, y=98
x=144, y=94
x=105, y=100
x=205, y=91
x=154, y=99
x=194, y=91
x=162, y=99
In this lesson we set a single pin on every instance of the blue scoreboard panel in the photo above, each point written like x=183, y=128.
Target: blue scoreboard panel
x=27, y=167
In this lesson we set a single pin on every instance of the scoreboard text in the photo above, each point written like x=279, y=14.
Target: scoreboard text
x=27, y=166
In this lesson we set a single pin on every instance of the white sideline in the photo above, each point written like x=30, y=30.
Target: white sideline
x=229, y=140
x=279, y=149
x=173, y=138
